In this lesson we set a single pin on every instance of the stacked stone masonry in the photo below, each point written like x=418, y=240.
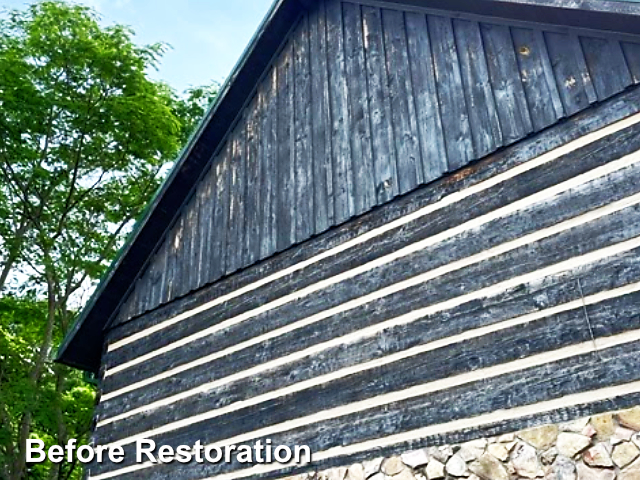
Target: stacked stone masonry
x=602, y=447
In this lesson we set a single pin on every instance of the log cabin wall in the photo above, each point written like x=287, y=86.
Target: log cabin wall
x=497, y=298
x=364, y=104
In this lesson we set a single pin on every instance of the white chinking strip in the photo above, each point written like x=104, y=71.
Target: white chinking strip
x=453, y=426
x=441, y=343
x=543, y=195
x=482, y=256
x=433, y=387
x=430, y=346
x=444, y=202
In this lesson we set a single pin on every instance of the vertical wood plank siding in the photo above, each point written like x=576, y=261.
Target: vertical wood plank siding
x=361, y=105
x=519, y=278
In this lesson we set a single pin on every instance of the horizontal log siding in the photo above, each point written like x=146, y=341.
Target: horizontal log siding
x=362, y=105
x=519, y=279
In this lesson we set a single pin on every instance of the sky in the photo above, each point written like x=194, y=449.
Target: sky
x=207, y=36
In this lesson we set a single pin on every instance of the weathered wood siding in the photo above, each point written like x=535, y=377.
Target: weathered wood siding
x=502, y=296
x=364, y=104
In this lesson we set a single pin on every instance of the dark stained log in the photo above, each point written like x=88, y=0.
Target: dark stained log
x=538, y=80
x=360, y=124
x=506, y=82
x=576, y=374
x=403, y=110
x=320, y=121
x=453, y=108
x=607, y=66
x=385, y=170
x=572, y=74
x=511, y=304
x=483, y=117
x=434, y=155
x=511, y=265
x=304, y=180
x=340, y=122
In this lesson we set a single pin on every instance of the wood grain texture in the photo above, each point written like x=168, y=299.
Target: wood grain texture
x=538, y=81
x=570, y=68
x=403, y=116
x=483, y=116
x=360, y=134
x=434, y=155
x=511, y=102
x=303, y=184
x=321, y=121
x=385, y=167
x=607, y=66
x=363, y=104
x=436, y=223
x=343, y=188
x=453, y=107
x=614, y=110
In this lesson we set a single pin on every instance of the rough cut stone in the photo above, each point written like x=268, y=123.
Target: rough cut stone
x=576, y=426
x=499, y=451
x=415, y=458
x=434, y=470
x=442, y=454
x=471, y=450
x=636, y=439
x=562, y=469
x=457, y=467
x=598, y=456
x=392, y=466
x=405, y=474
x=507, y=437
x=622, y=435
x=589, y=431
x=378, y=476
x=334, y=474
x=489, y=467
x=632, y=472
x=604, y=425
x=625, y=453
x=540, y=437
x=570, y=444
x=549, y=456
x=371, y=467
x=630, y=418
x=355, y=472
x=525, y=461
x=588, y=473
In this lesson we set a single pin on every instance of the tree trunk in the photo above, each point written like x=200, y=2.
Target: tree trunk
x=24, y=430
x=13, y=255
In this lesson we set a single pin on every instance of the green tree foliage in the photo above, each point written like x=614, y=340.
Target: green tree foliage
x=21, y=328
x=85, y=139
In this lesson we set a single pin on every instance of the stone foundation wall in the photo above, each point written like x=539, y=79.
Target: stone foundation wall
x=602, y=447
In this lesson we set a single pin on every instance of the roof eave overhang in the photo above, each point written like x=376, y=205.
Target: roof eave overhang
x=82, y=347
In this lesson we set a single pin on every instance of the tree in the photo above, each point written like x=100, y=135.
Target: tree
x=85, y=138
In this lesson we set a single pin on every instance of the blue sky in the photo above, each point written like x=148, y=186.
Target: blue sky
x=207, y=36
